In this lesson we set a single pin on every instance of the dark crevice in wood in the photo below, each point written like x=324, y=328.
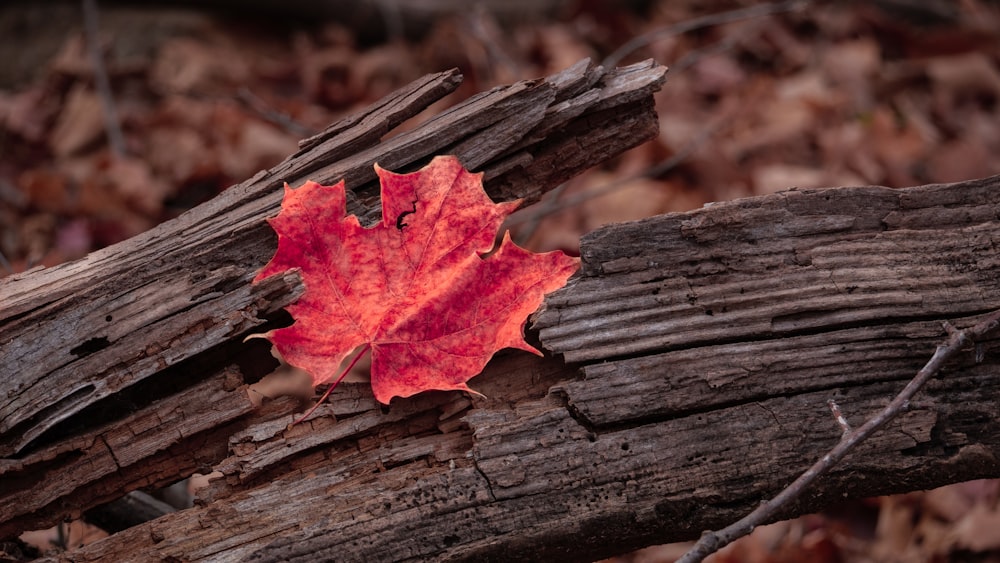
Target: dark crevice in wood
x=54, y=411
x=89, y=346
x=486, y=479
x=130, y=510
x=169, y=381
x=13, y=481
x=574, y=413
x=255, y=359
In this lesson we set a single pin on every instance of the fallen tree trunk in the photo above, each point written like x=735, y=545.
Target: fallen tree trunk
x=702, y=350
x=127, y=369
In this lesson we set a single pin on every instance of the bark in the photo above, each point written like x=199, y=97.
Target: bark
x=702, y=349
x=127, y=369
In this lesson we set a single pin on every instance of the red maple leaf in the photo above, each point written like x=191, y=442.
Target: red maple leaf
x=416, y=288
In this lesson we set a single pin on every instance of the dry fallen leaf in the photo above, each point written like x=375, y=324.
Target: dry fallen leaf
x=417, y=288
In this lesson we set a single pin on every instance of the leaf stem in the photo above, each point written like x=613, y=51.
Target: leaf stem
x=329, y=390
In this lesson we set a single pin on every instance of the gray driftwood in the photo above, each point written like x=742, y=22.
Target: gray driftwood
x=702, y=349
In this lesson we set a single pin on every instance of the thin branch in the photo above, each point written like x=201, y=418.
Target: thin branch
x=392, y=17
x=116, y=140
x=5, y=264
x=484, y=29
x=710, y=542
x=710, y=20
x=264, y=110
x=693, y=56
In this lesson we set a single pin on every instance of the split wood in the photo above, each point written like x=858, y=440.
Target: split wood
x=701, y=344
x=697, y=347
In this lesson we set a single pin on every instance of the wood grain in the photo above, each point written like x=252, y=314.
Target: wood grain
x=689, y=368
x=94, y=348
x=585, y=461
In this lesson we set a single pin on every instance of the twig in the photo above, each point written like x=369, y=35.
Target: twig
x=698, y=23
x=111, y=124
x=483, y=28
x=710, y=542
x=392, y=17
x=695, y=55
x=283, y=120
x=62, y=537
x=5, y=264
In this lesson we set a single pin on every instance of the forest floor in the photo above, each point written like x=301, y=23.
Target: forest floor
x=759, y=98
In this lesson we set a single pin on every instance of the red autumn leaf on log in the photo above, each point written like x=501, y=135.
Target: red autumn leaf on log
x=416, y=287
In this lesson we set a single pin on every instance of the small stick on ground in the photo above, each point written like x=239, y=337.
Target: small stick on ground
x=710, y=542
x=5, y=264
x=116, y=140
x=710, y=20
x=258, y=105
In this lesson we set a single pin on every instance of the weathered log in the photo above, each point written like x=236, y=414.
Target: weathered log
x=703, y=347
x=127, y=369
x=687, y=429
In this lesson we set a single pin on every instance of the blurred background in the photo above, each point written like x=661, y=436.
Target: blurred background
x=115, y=116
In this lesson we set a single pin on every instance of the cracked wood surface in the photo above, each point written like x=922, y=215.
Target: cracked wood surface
x=102, y=355
x=608, y=454
x=721, y=334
